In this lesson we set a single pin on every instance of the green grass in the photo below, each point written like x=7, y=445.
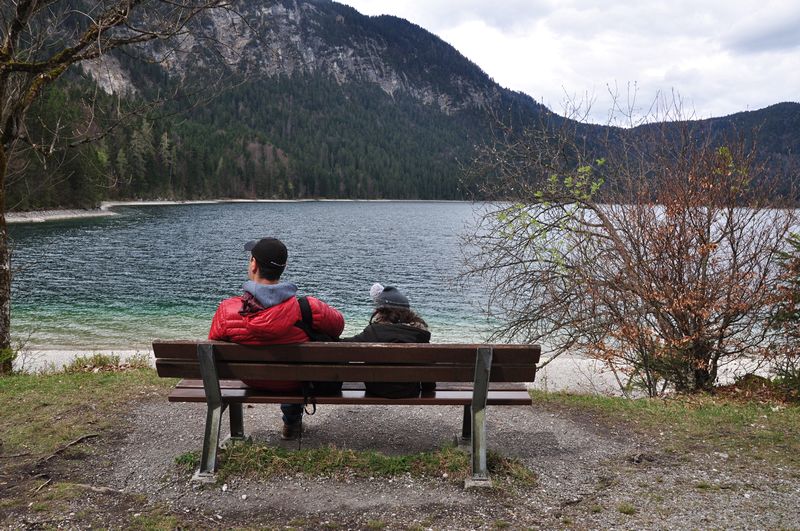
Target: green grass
x=704, y=485
x=745, y=429
x=626, y=508
x=249, y=459
x=155, y=520
x=106, y=362
x=188, y=461
x=62, y=491
x=51, y=410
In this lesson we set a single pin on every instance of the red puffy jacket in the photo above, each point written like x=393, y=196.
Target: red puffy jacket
x=272, y=326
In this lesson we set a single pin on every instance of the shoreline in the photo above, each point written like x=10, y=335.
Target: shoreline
x=566, y=373
x=42, y=216
x=570, y=374
x=105, y=208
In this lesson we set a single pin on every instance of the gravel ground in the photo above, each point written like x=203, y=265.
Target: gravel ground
x=589, y=475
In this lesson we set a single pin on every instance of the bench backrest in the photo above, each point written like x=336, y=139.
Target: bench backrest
x=349, y=362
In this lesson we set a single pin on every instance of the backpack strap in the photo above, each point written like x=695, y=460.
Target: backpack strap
x=308, y=398
x=306, y=322
x=305, y=311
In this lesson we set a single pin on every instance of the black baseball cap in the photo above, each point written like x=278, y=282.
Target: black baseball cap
x=270, y=253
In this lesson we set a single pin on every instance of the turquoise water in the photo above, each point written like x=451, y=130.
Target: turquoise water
x=160, y=271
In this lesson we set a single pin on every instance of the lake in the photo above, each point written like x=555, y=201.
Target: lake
x=160, y=271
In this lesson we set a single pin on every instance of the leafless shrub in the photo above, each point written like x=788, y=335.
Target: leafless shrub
x=653, y=249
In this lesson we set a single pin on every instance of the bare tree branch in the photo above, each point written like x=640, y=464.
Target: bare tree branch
x=43, y=39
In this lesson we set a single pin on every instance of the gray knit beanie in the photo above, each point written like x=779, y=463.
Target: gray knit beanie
x=388, y=296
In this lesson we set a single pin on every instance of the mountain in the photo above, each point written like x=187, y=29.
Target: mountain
x=776, y=129
x=287, y=99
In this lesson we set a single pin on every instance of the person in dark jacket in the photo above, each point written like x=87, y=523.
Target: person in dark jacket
x=393, y=321
x=267, y=314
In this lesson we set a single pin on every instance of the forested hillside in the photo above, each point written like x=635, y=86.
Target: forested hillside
x=302, y=99
x=275, y=138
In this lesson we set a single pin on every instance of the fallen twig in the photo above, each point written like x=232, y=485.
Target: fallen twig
x=43, y=485
x=14, y=455
x=73, y=443
x=210, y=519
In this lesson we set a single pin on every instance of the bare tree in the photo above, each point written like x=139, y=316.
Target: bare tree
x=43, y=39
x=653, y=249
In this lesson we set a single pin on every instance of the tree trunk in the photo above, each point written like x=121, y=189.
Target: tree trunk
x=703, y=378
x=5, y=273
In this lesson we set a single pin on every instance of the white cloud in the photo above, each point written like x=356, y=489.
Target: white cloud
x=720, y=56
x=436, y=15
x=771, y=28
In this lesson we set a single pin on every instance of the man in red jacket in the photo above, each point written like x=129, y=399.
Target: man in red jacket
x=267, y=313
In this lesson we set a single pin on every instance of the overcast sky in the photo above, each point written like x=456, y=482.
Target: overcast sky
x=720, y=57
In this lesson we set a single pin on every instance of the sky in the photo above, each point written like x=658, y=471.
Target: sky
x=714, y=57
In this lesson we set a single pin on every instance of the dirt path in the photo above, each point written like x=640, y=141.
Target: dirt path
x=590, y=475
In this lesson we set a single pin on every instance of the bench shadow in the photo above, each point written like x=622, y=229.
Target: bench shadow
x=396, y=430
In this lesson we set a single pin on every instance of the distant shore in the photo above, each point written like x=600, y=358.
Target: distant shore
x=105, y=209
x=40, y=216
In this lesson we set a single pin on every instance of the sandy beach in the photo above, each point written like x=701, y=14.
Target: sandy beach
x=566, y=373
x=105, y=209
x=40, y=216
x=573, y=374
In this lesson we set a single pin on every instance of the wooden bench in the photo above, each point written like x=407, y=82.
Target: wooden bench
x=212, y=373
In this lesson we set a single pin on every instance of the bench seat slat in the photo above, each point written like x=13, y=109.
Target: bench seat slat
x=189, y=383
x=350, y=372
x=352, y=397
x=321, y=352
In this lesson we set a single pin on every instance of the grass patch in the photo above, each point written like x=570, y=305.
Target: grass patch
x=106, y=362
x=626, y=508
x=153, y=521
x=188, y=461
x=745, y=429
x=53, y=409
x=250, y=459
x=62, y=491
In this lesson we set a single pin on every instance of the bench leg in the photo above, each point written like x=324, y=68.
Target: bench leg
x=237, y=421
x=480, y=470
x=466, y=423
x=208, y=461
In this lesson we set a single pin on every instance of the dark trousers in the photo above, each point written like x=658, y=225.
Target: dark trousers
x=292, y=413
